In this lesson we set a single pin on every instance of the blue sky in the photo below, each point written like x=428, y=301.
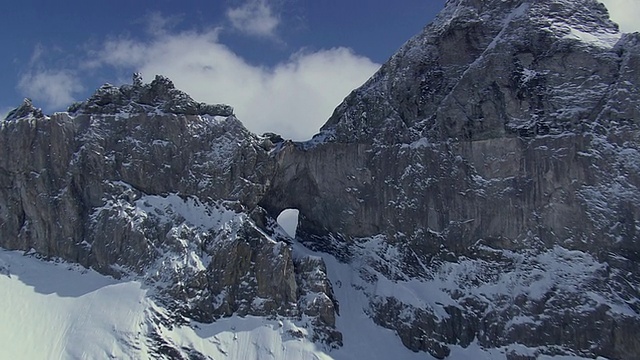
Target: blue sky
x=283, y=64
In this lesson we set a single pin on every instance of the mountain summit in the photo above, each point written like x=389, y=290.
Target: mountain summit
x=487, y=69
x=478, y=196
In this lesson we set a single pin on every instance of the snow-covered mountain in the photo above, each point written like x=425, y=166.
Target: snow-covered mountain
x=477, y=198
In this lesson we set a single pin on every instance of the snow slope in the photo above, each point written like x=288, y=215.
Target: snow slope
x=56, y=310
x=60, y=311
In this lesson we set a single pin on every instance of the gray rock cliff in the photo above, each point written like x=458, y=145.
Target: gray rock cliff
x=483, y=186
x=493, y=161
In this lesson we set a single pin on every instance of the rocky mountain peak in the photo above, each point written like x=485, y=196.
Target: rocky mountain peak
x=504, y=127
x=26, y=109
x=582, y=12
x=487, y=69
x=159, y=95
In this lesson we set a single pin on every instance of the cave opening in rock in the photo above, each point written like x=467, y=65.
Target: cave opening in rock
x=288, y=220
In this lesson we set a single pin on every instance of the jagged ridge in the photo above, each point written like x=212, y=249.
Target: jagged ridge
x=160, y=94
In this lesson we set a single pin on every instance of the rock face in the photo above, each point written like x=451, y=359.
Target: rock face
x=484, y=186
x=142, y=181
x=491, y=170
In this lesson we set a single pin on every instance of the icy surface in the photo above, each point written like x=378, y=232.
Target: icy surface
x=601, y=40
x=60, y=311
x=55, y=310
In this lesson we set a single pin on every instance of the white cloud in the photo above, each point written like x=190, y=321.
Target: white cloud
x=625, y=12
x=158, y=24
x=51, y=88
x=55, y=88
x=38, y=52
x=255, y=17
x=293, y=98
